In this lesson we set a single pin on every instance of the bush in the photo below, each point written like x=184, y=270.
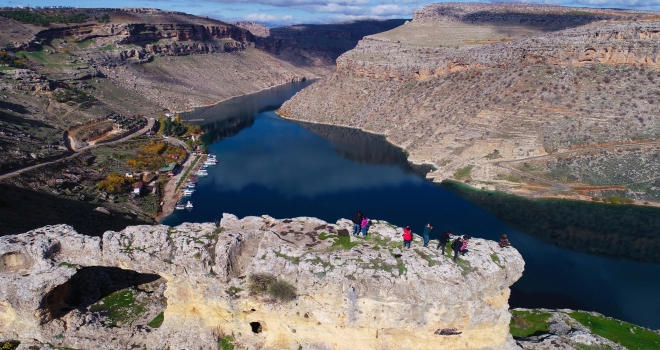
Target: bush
x=266, y=283
x=282, y=290
x=618, y=200
x=114, y=183
x=259, y=282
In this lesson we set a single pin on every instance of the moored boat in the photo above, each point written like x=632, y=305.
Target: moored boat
x=189, y=205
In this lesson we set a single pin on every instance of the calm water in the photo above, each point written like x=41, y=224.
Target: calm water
x=268, y=165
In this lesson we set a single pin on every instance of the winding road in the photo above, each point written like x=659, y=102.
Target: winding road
x=150, y=124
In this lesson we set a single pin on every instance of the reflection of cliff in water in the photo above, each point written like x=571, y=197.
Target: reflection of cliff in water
x=364, y=147
x=228, y=118
x=618, y=231
x=223, y=128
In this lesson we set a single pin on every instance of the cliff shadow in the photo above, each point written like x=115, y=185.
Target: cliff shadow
x=364, y=147
x=22, y=210
x=306, y=45
x=92, y=289
x=629, y=232
x=546, y=22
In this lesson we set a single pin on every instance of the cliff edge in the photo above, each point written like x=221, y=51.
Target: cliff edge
x=197, y=285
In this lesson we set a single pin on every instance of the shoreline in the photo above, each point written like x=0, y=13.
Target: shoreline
x=438, y=180
x=244, y=94
x=171, y=193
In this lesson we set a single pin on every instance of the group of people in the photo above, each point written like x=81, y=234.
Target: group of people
x=459, y=245
x=361, y=224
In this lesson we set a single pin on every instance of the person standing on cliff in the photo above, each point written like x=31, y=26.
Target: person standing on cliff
x=444, y=238
x=365, y=225
x=427, y=234
x=456, y=247
x=357, y=222
x=407, y=237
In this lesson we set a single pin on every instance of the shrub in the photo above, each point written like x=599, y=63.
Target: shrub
x=259, y=282
x=618, y=200
x=282, y=290
x=113, y=183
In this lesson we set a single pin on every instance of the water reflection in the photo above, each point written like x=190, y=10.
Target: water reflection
x=618, y=231
x=364, y=147
x=283, y=169
x=228, y=118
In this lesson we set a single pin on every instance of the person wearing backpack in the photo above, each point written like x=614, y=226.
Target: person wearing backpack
x=456, y=247
x=407, y=237
x=365, y=225
x=444, y=238
x=427, y=233
x=357, y=221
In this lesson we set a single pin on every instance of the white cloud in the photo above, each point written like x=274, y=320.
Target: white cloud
x=264, y=17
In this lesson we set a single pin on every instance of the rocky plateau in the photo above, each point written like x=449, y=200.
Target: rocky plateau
x=57, y=288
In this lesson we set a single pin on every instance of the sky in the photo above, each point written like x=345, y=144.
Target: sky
x=286, y=12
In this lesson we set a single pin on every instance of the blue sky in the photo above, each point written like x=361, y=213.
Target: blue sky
x=284, y=12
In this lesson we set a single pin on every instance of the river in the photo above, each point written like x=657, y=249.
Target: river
x=272, y=166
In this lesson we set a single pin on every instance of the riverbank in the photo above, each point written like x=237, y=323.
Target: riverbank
x=523, y=185
x=172, y=191
x=192, y=110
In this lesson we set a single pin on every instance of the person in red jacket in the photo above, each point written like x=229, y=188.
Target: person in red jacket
x=407, y=236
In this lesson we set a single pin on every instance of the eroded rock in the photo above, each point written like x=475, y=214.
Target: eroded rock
x=351, y=292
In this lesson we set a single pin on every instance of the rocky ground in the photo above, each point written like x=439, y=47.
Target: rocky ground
x=464, y=87
x=197, y=285
x=543, y=329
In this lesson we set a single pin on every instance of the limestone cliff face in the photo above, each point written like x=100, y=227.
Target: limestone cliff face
x=362, y=294
x=465, y=86
x=611, y=44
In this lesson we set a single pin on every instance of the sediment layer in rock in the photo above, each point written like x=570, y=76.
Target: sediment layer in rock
x=352, y=293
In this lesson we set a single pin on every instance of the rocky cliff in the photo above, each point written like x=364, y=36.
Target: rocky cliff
x=465, y=87
x=197, y=283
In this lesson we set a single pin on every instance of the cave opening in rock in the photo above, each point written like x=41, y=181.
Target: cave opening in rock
x=112, y=292
x=256, y=327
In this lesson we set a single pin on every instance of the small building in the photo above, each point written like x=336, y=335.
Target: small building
x=169, y=170
x=138, y=188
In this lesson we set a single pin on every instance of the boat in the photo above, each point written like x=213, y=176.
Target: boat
x=179, y=206
x=188, y=192
x=192, y=180
x=190, y=185
x=202, y=172
x=189, y=205
x=210, y=162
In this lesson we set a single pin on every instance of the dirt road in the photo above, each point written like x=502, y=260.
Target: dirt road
x=150, y=124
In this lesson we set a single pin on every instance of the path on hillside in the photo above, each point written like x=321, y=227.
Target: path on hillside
x=556, y=186
x=150, y=124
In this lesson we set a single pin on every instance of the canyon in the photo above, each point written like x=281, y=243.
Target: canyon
x=475, y=90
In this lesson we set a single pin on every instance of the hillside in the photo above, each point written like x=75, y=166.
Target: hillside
x=480, y=91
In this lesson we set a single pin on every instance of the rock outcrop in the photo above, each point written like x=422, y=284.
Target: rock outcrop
x=464, y=87
x=352, y=293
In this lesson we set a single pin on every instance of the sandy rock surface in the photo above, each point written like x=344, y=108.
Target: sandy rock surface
x=352, y=292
